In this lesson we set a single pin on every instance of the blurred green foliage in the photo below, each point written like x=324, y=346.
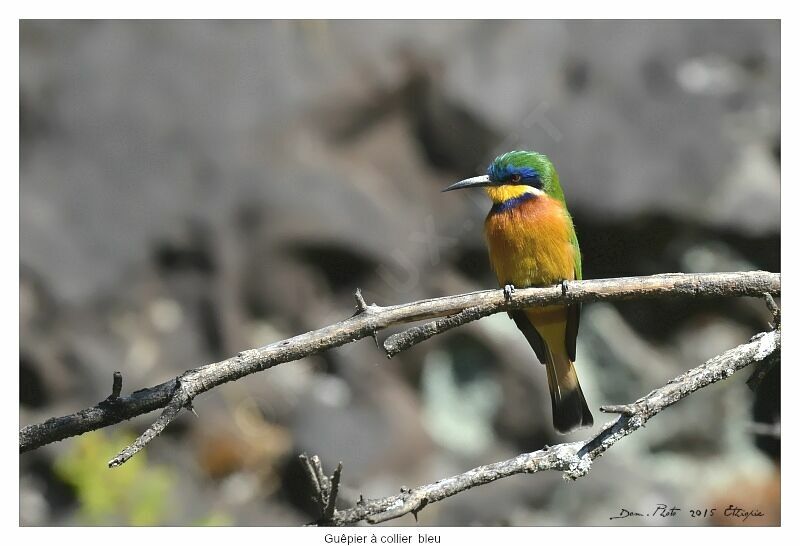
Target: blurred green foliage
x=136, y=493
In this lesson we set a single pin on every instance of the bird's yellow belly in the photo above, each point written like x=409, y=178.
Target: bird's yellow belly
x=530, y=245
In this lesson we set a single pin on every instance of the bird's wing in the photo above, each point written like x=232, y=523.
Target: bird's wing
x=571, y=337
x=573, y=239
x=574, y=310
x=530, y=333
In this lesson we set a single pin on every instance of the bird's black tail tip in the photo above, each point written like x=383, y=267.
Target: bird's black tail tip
x=571, y=412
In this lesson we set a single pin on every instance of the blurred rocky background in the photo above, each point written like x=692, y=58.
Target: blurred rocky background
x=192, y=189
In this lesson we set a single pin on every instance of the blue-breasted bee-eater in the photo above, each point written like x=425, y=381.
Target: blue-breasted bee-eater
x=532, y=242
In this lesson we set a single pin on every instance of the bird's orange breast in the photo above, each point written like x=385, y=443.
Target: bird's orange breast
x=529, y=243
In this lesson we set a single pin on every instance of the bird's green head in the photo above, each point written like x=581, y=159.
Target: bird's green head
x=516, y=173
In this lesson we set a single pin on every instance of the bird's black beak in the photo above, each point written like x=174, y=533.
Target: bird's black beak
x=474, y=182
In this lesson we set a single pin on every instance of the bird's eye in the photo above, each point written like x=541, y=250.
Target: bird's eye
x=516, y=178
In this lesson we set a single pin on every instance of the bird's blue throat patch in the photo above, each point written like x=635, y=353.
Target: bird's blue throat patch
x=511, y=203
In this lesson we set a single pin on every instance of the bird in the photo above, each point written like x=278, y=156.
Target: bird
x=532, y=242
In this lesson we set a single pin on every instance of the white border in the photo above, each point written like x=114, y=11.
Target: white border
x=316, y=9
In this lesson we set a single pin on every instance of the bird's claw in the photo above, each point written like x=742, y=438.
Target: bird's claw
x=508, y=291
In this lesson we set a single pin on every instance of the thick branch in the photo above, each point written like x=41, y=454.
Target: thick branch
x=106, y=413
x=573, y=459
x=179, y=393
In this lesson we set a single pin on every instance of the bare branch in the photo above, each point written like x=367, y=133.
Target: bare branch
x=573, y=459
x=667, y=285
x=397, y=343
x=104, y=414
x=179, y=392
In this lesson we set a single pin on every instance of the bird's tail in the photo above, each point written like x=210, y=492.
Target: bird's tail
x=570, y=410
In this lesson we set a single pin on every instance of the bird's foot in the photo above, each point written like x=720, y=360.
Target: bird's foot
x=508, y=291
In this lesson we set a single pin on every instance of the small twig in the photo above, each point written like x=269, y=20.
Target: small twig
x=361, y=305
x=330, y=506
x=116, y=387
x=322, y=479
x=116, y=390
x=325, y=490
x=762, y=369
x=166, y=417
x=774, y=309
x=317, y=485
x=362, y=308
x=399, y=342
x=189, y=406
